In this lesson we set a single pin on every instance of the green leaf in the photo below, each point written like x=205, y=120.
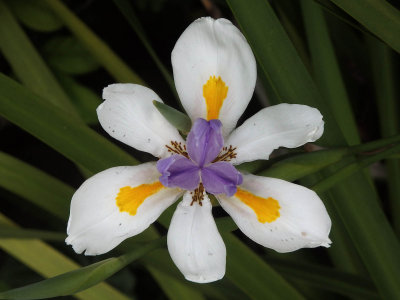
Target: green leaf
x=48, y=262
x=328, y=77
x=252, y=275
x=83, y=98
x=382, y=62
x=176, y=118
x=126, y=8
x=27, y=64
x=7, y=232
x=173, y=288
x=372, y=232
x=35, y=15
x=301, y=165
x=331, y=180
x=35, y=185
x=325, y=278
x=225, y=224
x=376, y=145
x=57, y=129
x=380, y=17
x=327, y=72
x=254, y=166
x=68, y=55
x=81, y=279
x=104, y=55
x=287, y=13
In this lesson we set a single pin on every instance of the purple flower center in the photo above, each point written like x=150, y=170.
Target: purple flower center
x=200, y=165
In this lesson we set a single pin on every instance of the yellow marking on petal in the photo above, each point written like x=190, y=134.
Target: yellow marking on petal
x=215, y=92
x=130, y=198
x=266, y=209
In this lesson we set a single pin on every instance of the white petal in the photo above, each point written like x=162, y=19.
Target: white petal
x=128, y=115
x=208, y=48
x=282, y=125
x=194, y=242
x=96, y=223
x=303, y=221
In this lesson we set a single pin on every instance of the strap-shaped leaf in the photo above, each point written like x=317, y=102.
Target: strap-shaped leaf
x=81, y=279
x=380, y=17
x=17, y=233
x=48, y=262
x=35, y=185
x=101, y=51
x=127, y=10
x=27, y=63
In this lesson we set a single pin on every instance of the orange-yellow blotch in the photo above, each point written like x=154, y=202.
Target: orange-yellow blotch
x=130, y=198
x=214, y=92
x=266, y=209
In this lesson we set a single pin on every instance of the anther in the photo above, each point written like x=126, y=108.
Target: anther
x=198, y=195
x=226, y=154
x=177, y=148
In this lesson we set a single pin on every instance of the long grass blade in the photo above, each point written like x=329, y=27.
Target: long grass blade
x=382, y=63
x=126, y=9
x=7, y=232
x=325, y=278
x=326, y=70
x=48, y=262
x=81, y=279
x=380, y=17
x=35, y=185
x=173, y=288
x=330, y=181
x=26, y=62
x=105, y=56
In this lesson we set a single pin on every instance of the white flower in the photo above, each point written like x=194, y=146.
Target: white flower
x=215, y=74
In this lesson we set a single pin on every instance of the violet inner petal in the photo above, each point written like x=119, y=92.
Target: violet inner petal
x=221, y=178
x=178, y=171
x=205, y=141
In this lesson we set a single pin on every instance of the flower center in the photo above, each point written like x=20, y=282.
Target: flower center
x=203, y=164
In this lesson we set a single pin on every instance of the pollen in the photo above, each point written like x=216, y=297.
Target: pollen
x=177, y=148
x=266, y=209
x=226, y=154
x=198, y=195
x=130, y=198
x=214, y=92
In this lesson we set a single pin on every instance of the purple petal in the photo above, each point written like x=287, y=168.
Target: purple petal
x=205, y=141
x=178, y=171
x=221, y=178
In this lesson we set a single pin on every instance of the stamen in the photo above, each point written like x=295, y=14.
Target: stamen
x=226, y=154
x=177, y=148
x=198, y=195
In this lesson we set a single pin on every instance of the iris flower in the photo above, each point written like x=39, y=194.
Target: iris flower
x=215, y=74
